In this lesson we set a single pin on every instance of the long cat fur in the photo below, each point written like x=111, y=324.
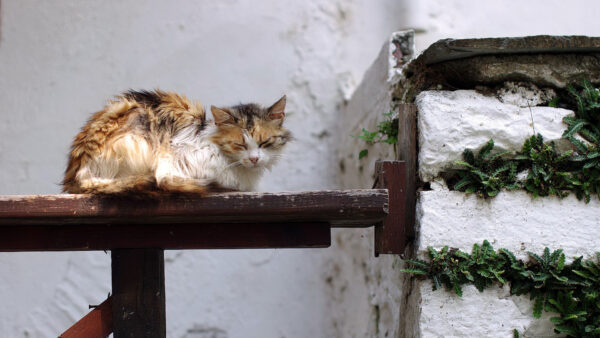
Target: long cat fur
x=152, y=141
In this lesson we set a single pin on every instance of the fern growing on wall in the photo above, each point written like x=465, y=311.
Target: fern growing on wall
x=571, y=291
x=548, y=171
x=487, y=173
x=387, y=132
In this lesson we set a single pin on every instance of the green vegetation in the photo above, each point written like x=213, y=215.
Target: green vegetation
x=387, y=132
x=486, y=173
x=572, y=291
x=548, y=171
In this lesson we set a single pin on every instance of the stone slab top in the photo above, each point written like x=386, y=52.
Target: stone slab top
x=543, y=60
x=452, y=49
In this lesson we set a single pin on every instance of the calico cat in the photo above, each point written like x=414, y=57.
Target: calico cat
x=152, y=141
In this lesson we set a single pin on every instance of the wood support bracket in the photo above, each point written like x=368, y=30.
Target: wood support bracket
x=391, y=235
x=96, y=324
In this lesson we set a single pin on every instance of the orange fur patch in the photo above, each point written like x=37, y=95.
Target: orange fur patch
x=113, y=134
x=229, y=139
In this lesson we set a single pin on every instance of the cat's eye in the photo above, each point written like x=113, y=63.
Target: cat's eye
x=266, y=143
x=242, y=145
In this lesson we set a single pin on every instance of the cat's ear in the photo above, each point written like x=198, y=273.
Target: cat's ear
x=277, y=110
x=222, y=116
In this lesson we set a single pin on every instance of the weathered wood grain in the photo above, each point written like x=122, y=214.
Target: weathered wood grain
x=407, y=152
x=96, y=324
x=138, y=300
x=346, y=208
x=391, y=233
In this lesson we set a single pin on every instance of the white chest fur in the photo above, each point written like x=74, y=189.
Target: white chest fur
x=195, y=156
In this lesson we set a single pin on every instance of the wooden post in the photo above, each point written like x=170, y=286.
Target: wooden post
x=400, y=179
x=407, y=152
x=391, y=234
x=138, y=283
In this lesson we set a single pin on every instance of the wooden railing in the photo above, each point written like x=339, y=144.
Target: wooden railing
x=138, y=230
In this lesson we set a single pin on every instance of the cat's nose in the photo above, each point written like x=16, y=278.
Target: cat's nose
x=253, y=159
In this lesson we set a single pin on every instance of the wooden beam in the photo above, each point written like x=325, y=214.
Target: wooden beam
x=164, y=236
x=96, y=324
x=407, y=152
x=346, y=208
x=390, y=235
x=138, y=283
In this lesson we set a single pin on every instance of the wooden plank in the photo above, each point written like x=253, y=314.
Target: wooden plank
x=165, y=236
x=96, y=324
x=407, y=152
x=138, y=283
x=390, y=235
x=346, y=208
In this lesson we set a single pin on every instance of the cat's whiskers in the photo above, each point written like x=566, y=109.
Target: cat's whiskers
x=232, y=164
x=276, y=157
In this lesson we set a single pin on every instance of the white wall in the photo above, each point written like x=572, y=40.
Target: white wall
x=60, y=61
x=440, y=19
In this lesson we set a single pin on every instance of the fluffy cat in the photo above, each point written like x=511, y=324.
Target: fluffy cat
x=151, y=141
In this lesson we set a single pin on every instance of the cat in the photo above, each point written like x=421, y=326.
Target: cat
x=157, y=141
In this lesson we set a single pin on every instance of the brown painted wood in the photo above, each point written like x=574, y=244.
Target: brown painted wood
x=96, y=324
x=346, y=208
x=165, y=236
x=390, y=234
x=400, y=177
x=407, y=152
x=138, y=283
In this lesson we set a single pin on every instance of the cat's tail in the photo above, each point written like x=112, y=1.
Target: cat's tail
x=135, y=185
x=182, y=185
x=145, y=186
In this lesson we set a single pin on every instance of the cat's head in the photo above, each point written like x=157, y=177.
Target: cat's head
x=250, y=135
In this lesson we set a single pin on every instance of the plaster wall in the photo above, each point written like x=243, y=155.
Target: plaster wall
x=440, y=19
x=61, y=60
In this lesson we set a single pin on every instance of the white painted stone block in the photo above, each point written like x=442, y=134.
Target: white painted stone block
x=511, y=220
x=491, y=313
x=451, y=121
